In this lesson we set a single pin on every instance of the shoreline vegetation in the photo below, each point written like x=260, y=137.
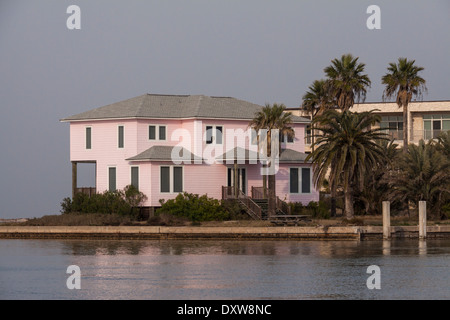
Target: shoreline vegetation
x=99, y=220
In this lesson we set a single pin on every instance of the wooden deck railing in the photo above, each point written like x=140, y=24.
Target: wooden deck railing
x=86, y=190
x=258, y=193
x=283, y=206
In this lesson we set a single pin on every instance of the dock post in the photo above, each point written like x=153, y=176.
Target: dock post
x=422, y=220
x=386, y=220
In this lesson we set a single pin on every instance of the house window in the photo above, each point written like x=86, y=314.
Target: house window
x=393, y=126
x=88, y=138
x=121, y=136
x=254, y=137
x=285, y=137
x=306, y=180
x=293, y=179
x=157, y=132
x=112, y=179
x=135, y=177
x=300, y=178
x=214, y=134
x=162, y=132
x=171, y=179
x=165, y=179
x=433, y=125
x=152, y=132
x=308, y=134
x=177, y=179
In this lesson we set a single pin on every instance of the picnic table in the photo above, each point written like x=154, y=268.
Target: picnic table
x=288, y=219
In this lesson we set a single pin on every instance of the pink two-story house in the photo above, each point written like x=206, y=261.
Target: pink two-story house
x=167, y=144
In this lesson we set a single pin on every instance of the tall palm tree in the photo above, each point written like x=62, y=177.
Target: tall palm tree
x=346, y=147
x=404, y=82
x=347, y=82
x=272, y=117
x=316, y=100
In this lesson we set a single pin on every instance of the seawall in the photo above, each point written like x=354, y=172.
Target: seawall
x=218, y=233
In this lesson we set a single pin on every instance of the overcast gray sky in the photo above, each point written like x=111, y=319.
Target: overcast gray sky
x=262, y=51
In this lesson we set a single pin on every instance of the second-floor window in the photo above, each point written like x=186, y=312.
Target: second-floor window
x=214, y=134
x=121, y=136
x=285, y=138
x=88, y=138
x=433, y=125
x=393, y=126
x=157, y=132
x=308, y=134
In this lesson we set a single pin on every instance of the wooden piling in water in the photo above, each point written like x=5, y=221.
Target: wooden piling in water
x=422, y=220
x=386, y=220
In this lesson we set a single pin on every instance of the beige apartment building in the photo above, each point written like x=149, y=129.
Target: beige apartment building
x=426, y=119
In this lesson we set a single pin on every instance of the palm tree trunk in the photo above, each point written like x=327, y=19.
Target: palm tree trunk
x=405, y=128
x=236, y=177
x=264, y=184
x=272, y=203
x=348, y=195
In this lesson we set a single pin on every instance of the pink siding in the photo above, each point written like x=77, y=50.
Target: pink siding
x=199, y=179
x=282, y=186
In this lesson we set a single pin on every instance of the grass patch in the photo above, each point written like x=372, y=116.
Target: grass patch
x=85, y=219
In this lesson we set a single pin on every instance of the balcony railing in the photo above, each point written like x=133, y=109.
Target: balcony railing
x=86, y=190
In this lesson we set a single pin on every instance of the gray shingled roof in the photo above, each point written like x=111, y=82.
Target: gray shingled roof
x=292, y=156
x=164, y=153
x=240, y=154
x=154, y=106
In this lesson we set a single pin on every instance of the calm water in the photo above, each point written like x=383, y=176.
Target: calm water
x=36, y=269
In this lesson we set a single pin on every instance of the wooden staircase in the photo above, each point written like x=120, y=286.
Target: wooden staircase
x=257, y=207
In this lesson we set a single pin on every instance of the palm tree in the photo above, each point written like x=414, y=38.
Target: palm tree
x=443, y=143
x=347, y=81
x=376, y=180
x=272, y=117
x=404, y=82
x=316, y=100
x=346, y=147
x=422, y=174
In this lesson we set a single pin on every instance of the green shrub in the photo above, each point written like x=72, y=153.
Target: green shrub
x=121, y=202
x=319, y=209
x=445, y=211
x=194, y=207
x=235, y=210
x=297, y=208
